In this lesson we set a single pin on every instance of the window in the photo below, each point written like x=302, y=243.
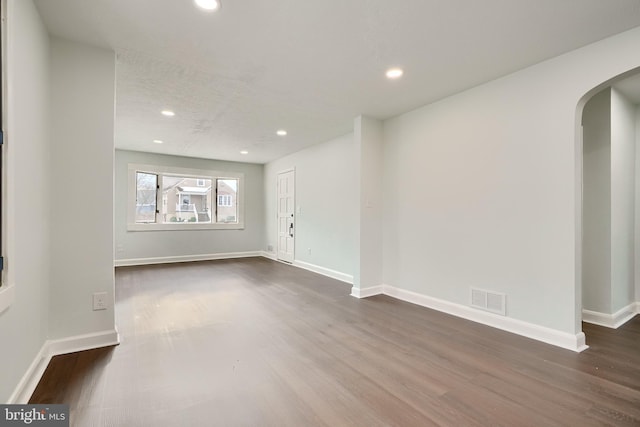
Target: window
x=146, y=185
x=190, y=199
x=224, y=200
x=227, y=190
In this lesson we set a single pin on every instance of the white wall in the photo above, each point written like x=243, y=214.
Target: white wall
x=368, y=138
x=623, y=135
x=160, y=244
x=23, y=326
x=326, y=195
x=596, y=268
x=81, y=187
x=609, y=202
x=637, y=194
x=483, y=187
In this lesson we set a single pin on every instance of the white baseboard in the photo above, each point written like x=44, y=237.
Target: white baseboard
x=343, y=277
x=184, y=258
x=83, y=342
x=30, y=379
x=574, y=342
x=367, y=292
x=271, y=255
x=614, y=320
x=338, y=275
x=50, y=348
x=230, y=255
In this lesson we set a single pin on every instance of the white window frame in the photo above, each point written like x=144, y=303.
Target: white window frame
x=188, y=173
x=226, y=198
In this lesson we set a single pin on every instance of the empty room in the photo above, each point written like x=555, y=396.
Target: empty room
x=341, y=213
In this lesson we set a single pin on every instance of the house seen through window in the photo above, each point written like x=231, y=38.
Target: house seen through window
x=167, y=198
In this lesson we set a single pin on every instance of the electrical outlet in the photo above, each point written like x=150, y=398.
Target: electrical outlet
x=100, y=301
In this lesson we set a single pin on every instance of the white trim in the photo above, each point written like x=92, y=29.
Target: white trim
x=343, y=277
x=184, y=258
x=614, y=320
x=160, y=171
x=367, y=292
x=185, y=226
x=31, y=378
x=7, y=295
x=83, y=342
x=323, y=271
x=550, y=336
x=291, y=169
x=50, y=348
x=295, y=218
x=271, y=255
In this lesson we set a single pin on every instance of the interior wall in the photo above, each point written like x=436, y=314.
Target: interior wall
x=81, y=187
x=326, y=204
x=637, y=207
x=596, y=268
x=481, y=187
x=23, y=326
x=173, y=243
x=369, y=148
x=622, y=201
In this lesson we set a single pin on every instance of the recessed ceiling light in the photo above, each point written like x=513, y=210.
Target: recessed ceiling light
x=282, y=132
x=210, y=5
x=394, y=73
x=244, y=152
x=157, y=141
x=168, y=113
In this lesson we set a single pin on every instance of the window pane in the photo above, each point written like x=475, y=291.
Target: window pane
x=186, y=200
x=227, y=203
x=146, y=184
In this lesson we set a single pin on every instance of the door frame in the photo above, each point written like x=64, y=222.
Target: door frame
x=277, y=248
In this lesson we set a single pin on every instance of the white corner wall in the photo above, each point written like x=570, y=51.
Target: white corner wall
x=326, y=205
x=160, y=246
x=637, y=207
x=81, y=187
x=23, y=325
x=368, y=138
x=596, y=193
x=623, y=141
x=483, y=187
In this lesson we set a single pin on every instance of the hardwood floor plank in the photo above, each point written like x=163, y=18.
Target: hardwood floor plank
x=253, y=342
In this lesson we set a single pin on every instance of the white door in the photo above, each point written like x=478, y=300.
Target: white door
x=286, y=226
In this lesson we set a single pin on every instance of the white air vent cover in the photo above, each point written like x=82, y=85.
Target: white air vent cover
x=494, y=302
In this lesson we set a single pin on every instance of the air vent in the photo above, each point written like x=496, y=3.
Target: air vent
x=494, y=302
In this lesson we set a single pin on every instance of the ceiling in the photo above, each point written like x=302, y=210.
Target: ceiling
x=235, y=76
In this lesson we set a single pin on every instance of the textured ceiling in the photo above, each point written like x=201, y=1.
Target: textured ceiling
x=236, y=76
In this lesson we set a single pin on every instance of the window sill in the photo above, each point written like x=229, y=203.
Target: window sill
x=183, y=227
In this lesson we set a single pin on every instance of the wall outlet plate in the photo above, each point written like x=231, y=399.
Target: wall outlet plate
x=100, y=301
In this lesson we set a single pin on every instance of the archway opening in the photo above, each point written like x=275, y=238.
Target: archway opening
x=608, y=132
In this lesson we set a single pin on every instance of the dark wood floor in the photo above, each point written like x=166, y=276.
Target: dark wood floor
x=256, y=343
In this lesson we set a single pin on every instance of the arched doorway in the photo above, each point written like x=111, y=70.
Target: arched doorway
x=608, y=132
